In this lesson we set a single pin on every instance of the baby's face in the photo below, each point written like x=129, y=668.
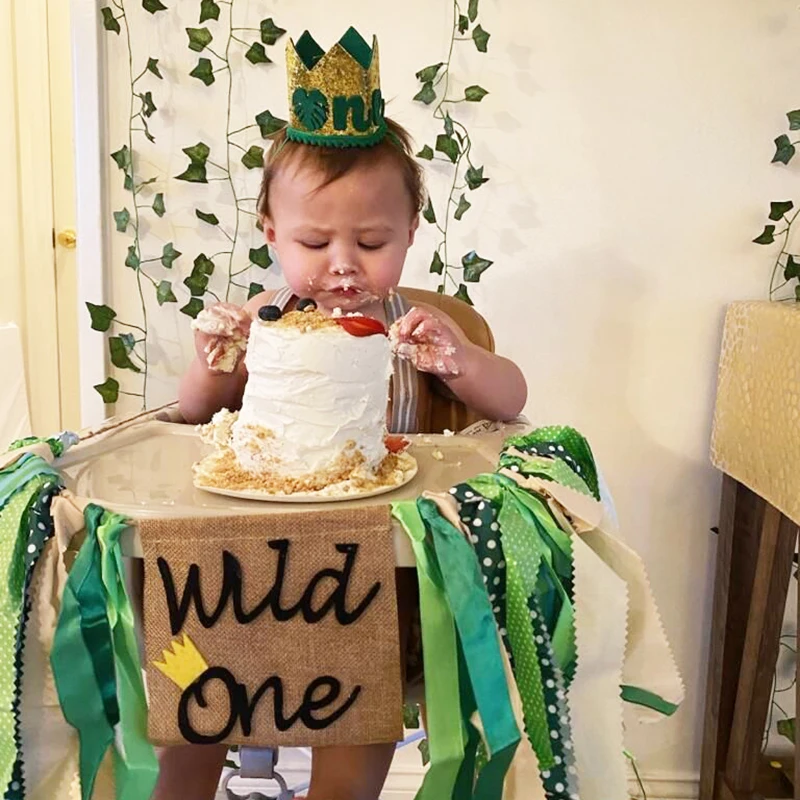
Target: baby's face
x=343, y=244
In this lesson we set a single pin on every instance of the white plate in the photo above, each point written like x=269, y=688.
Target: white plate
x=309, y=497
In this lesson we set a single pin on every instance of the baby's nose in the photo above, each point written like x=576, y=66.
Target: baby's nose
x=343, y=267
x=344, y=258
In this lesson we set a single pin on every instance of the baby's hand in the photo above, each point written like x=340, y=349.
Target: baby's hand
x=429, y=342
x=220, y=337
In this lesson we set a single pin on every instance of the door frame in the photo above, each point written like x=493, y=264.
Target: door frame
x=88, y=110
x=37, y=316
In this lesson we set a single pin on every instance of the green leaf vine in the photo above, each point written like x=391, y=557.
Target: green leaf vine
x=200, y=40
x=455, y=147
x=784, y=723
x=127, y=342
x=785, y=275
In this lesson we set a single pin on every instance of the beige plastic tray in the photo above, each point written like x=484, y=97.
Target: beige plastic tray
x=145, y=470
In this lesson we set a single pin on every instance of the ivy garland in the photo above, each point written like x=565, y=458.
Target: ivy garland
x=785, y=273
x=455, y=145
x=128, y=347
x=127, y=342
x=251, y=157
x=782, y=212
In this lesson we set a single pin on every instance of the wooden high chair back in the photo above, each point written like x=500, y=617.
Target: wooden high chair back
x=438, y=408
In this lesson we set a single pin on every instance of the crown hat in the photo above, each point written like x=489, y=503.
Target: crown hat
x=335, y=97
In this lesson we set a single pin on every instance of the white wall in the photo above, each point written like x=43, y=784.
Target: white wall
x=628, y=145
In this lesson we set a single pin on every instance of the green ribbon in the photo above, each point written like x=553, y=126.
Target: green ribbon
x=446, y=735
x=476, y=756
x=528, y=580
x=93, y=662
x=562, y=443
x=40, y=529
x=643, y=697
x=137, y=772
x=477, y=634
x=57, y=444
x=83, y=667
x=13, y=517
x=15, y=476
x=555, y=574
x=549, y=469
x=523, y=556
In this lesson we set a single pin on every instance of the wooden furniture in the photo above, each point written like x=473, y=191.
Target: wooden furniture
x=756, y=445
x=754, y=565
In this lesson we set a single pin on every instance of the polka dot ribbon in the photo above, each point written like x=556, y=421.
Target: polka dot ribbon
x=58, y=444
x=508, y=553
x=557, y=453
x=20, y=486
x=40, y=529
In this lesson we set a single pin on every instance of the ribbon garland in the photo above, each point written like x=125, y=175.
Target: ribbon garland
x=95, y=645
x=524, y=562
x=20, y=484
x=40, y=529
x=477, y=634
x=447, y=734
x=520, y=584
x=521, y=621
x=135, y=763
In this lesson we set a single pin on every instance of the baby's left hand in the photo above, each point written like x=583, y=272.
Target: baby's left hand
x=429, y=342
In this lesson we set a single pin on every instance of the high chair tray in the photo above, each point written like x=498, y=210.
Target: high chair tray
x=145, y=470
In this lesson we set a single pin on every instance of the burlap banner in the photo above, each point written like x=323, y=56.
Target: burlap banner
x=272, y=629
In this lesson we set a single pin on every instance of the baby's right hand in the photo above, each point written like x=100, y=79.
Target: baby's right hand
x=220, y=336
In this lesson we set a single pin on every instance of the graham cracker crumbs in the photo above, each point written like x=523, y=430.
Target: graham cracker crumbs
x=347, y=476
x=258, y=435
x=304, y=321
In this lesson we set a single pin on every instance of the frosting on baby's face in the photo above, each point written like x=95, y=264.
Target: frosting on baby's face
x=343, y=244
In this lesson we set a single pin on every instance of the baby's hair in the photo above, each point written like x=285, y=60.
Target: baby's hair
x=335, y=162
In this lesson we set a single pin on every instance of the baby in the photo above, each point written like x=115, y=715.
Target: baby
x=340, y=222
x=340, y=219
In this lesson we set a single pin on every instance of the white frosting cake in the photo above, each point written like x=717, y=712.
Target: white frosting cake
x=316, y=394
x=313, y=413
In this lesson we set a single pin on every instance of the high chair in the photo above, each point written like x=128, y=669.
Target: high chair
x=438, y=410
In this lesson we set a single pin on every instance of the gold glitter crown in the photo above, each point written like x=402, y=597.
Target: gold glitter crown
x=335, y=97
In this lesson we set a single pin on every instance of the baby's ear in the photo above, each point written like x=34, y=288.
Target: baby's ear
x=413, y=229
x=268, y=228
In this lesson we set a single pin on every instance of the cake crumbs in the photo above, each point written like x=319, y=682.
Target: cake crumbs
x=304, y=321
x=346, y=476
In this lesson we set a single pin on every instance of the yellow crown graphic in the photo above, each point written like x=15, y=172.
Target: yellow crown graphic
x=184, y=664
x=335, y=97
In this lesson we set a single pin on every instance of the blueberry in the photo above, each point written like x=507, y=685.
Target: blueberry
x=269, y=313
x=306, y=304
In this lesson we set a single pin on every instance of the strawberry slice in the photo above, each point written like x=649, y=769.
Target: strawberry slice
x=362, y=326
x=395, y=444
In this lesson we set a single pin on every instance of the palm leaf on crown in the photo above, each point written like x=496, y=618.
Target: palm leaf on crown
x=311, y=108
